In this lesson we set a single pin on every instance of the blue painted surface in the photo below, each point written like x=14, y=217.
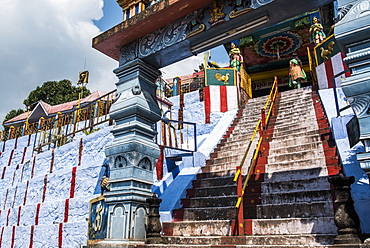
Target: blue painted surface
x=105, y=171
x=171, y=197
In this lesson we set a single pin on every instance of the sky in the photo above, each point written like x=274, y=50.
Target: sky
x=48, y=40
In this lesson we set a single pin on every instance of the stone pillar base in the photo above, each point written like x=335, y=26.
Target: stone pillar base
x=347, y=239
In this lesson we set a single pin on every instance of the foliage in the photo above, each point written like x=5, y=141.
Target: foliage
x=54, y=92
x=11, y=114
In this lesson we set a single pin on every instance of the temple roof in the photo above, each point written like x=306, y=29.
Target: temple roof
x=42, y=109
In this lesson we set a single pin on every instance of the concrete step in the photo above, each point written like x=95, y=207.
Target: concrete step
x=235, y=152
x=296, y=120
x=223, y=173
x=228, y=190
x=297, y=185
x=225, y=169
x=297, y=210
x=271, y=241
x=197, y=229
x=205, y=202
x=295, y=107
x=291, y=148
x=229, y=159
x=288, y=127
x=299, y=226
x=282, y=226
x=294, y=170
x=310, y=137
x=222, y=169
x=297, y=197
x=210, y=213
x=295, y=101
x=210, y=182
x=293, y=156
x=242, y=143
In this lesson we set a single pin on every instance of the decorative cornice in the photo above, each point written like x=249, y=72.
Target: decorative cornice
x=352, y=12
x=356, y=56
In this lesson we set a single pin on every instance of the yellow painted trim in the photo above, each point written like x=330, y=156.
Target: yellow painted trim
x=314, y=49
x=280, y=73
x=97, y=199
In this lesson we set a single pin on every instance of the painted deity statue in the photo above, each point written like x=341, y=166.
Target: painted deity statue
x=236, y=59
x=217, y=16
x=317, y=31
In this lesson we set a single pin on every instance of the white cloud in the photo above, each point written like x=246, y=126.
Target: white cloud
x=48, y=40
x=183, y=67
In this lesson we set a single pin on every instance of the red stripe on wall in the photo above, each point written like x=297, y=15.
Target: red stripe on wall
x=4, y=169
x=73, y=183
x=329, y=72
x=10, y=157
x=15, y=171
x=25, y=194
x=24, y=154
x=33, y=167
x=15, y=143
x=52, y=161
x=15, y=195
x=80, y=152
x=13, y=237
x=66, y=210
x=6, y=197
x=19, y=215
x=22, y=173
x=29, y=140
x=60, y=237
x=44, y=190
x=31, y=236
x=223, y=99
x=207, y=104
x=1, y=236
x=37, y=214
x=7, y=217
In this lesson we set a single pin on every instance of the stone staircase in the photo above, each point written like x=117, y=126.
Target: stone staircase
x=288, y=201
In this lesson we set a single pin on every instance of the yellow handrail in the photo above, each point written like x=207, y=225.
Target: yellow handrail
x=269, y=102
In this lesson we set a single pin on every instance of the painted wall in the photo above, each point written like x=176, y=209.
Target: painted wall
x=44, y=200
x=360, y=188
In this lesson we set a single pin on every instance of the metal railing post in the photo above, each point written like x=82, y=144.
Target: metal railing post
x=239, y=205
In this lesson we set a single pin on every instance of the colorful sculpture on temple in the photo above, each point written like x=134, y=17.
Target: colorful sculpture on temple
x=217, y=16
x=240, y=7
x=195, y=26
x=317, y=31
x=236, y=59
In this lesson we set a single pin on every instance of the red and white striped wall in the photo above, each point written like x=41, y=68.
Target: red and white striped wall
x=327, y=70
x=219, y=99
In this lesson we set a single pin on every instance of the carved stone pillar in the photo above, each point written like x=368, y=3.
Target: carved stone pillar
x=154, y=227
x=345, y=214
x=132, y=154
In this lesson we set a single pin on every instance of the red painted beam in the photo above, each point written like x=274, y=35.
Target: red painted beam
x=157, y=16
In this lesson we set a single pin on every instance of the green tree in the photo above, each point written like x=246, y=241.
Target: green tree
x=55, y=92
x=11, y=114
